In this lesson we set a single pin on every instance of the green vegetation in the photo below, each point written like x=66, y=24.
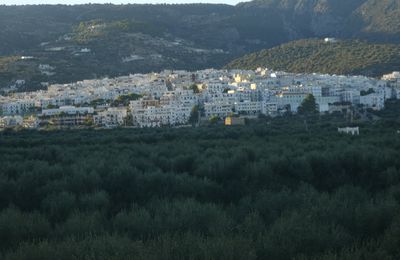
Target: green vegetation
x=99, y=102
x=85, y=31
x=392, y=110
x=12, y=68
x=365, y=93
x=95, y=41
x=270, y=190
x=382, y=17
x=213, y=120
x=5, y=61
x=194, y=115
x=364, y=18
x=195, y=88
x=51, y=106
x=313, y=55
x=170, y=36
x=90, y=30
x=308, y=106
x=124, y=100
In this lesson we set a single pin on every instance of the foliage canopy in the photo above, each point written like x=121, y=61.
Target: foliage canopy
x=269, y=190
x=314, y=55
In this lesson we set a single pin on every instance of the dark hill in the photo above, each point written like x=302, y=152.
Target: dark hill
x=313, y=55
x=144, y=38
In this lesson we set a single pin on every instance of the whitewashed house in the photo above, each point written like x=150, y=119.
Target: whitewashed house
x=269, y=108
x=291, y=100
x=18, y=107
x=68, y=110
x=375, y=101
x=248, y=107
x=112, y=117
x=219, y=109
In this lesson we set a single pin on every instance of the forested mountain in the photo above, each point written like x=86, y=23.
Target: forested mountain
x=87, y=41
x=270, y=190
x=314, y=55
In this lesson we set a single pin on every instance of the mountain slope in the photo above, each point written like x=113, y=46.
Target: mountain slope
x=314, y=55
x=380, y=16
x=247, y=26
x=143, y=38
x=377, y=20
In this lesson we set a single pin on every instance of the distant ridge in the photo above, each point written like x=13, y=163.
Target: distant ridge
x=98, y=40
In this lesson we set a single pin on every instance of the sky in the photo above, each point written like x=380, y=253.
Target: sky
x=23, y=2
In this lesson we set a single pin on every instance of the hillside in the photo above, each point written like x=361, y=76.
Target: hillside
x=89, y=41
x=367, y=19
x=313, y=55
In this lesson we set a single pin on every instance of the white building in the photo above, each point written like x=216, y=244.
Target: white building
x=330, y=40
x=291, y=100
x=395, y=75
x=219, y=109
x=18, y=107
x=112, y=117
x=248, y=107
x=269, y=108
x=325, y=102
x=351, y=96
x=216, y=86
x=349, y=130
x=375, y=101
x=223, y=92
x=68, y=110
x=151, y=113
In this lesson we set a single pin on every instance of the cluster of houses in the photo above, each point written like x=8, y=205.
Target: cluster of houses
x=169, y=98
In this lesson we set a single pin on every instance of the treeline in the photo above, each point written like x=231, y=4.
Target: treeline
x=314, y=55
x=273, y=189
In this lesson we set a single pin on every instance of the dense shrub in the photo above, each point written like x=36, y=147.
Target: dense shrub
x=264, y=191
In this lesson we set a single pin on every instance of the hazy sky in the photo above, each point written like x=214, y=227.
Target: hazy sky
x=22, y=2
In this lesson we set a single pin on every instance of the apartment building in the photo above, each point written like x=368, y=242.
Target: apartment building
x=112, y=117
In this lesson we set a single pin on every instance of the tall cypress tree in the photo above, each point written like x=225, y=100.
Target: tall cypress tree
x=308, y=106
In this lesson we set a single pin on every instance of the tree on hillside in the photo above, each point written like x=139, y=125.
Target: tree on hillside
x=194, y=88
x=213, y=120
x=194, y=115
x=308, y=106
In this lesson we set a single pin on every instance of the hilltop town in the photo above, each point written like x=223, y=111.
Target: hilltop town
x=178, y=98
